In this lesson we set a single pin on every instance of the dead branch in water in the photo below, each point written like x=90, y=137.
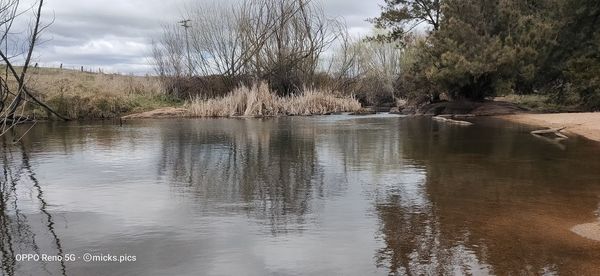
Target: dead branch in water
x=555, y=131
x=451, y=121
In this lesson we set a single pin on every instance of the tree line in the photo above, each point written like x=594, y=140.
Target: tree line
x=280, y=41
x=422, y=51
x=478, y=49
x=289, y=44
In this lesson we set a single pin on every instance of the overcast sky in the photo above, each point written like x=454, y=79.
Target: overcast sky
x=115, y=34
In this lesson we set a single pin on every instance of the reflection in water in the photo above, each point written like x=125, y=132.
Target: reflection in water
x=266, y=168
x=415, y=243
x=9, y=221
x=502, y=203
x=18, y=235
x=43, y=207
x=300, y=196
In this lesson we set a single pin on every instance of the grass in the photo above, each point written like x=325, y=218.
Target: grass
x=258, y=101
x=83, y=95
x=539, y=103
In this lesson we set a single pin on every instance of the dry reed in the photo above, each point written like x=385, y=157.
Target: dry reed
x=259, y=101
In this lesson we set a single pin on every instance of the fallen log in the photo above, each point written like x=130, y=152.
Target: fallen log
x=451, y=121
x=555, y=131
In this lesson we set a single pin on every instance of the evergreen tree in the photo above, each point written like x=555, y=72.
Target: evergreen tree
x=481, y=48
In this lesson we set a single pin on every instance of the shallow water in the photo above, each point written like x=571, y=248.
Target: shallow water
x=332, y=195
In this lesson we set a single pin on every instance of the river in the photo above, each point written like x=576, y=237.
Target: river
x=323, y=195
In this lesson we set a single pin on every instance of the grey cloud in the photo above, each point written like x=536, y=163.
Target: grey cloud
x=115, y=34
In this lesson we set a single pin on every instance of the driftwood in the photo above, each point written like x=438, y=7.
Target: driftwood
x=556, y=140
x=555, y=131
x=451, y=121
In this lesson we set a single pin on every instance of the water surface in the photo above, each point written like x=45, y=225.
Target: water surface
x=332, y=195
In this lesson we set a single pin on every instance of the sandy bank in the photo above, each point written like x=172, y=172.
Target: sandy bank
x=584, y=124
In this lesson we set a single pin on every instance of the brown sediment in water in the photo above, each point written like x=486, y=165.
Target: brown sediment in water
x=584, y=124
x=543, y=232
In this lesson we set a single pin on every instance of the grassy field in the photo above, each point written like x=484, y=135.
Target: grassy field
x=83, y=95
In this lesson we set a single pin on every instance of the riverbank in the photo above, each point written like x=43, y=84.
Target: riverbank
x=584, y=124
x=89, y=95
x=259, y=101
x=466, y=108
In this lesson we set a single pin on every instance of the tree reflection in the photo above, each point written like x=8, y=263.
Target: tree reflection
x=17, y=230
x=491, y=201
x=444, y=199
x=265, y=168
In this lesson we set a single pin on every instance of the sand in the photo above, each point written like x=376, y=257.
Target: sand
x=588, y=230
x=584, y=124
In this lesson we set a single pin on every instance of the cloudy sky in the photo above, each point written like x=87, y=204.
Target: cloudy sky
x=115, y=35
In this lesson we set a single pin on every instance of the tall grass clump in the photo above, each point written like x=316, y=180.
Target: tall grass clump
x=318, y=102
x=243, y=101
x=258, y=101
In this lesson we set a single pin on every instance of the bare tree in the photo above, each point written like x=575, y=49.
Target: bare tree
x=9, y=12
x=216, y=39
x=280, y=41
x=168, y=53
x=298, y=34
x=368, y=69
